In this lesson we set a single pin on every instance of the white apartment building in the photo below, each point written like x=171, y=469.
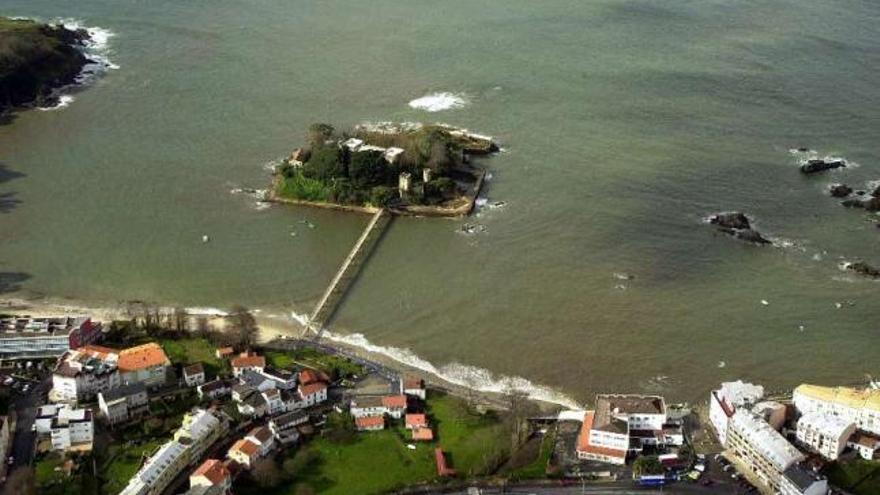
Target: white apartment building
x=725, y=401
x=825, y=433
x=200, y=429
x=72, y=429
x=762, y=449
x=860, y=406
x=124, y=403
x=22, y=338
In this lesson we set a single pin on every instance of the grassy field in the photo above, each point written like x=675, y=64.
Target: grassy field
x=194, y=350
x=45, y=470
x=859, y=476
x=377, y=462
x=335, y=366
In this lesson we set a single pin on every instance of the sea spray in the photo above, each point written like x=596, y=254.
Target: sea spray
x=436, y=102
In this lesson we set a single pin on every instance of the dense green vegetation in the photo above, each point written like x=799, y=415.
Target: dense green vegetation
x=34, y=59
x=51, y=479
x=332, y=173
x=377, y=462
x=858, y=476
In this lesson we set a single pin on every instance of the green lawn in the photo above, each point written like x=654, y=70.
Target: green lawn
x=335, y=366
x=194, y=350
x=858, y=476
x=123, y=461
x=377, y=462
x=45, y=472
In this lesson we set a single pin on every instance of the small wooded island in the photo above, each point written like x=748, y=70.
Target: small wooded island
x=411, y=169
x=35, y=59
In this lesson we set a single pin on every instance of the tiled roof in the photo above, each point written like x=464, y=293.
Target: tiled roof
x=141, y=357
x=97, y=351
x=583, y=440
x=311, y=388
x=311, y=376
x=249, y=362
x=244, y=446
x=214, y=470
x=413, y=382
x=394, y=401
x=194, y=369
x=423, y=434
x=367, y=401
x=261, y=433
x=369, y=421
x=416, y=420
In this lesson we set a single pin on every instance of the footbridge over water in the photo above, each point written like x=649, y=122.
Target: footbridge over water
x=347, y=272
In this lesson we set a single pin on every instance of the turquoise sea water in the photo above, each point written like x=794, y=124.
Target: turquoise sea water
x=625, y=123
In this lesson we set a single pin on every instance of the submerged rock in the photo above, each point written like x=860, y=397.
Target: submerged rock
x=820, y=165
x=853, y=203
x=840, y=190
x=876, y=192
x=730, y=220
x=750, y=235
x=737, y=224
x=863, y=268
x=872, y=204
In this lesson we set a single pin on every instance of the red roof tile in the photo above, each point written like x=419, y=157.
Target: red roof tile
x=245, y=446
x=311, y=388
x=249, y=362
x=416, y=420
x=394, y=401
x=369, y=421
x=214, y=470
x=423, y=434
x=142, y=357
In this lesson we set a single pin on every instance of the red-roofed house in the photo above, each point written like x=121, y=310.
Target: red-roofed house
x=145, y=364
x=422, y=434
x=370, y=423
x=308, y=376
x=414, y=386
x=440, y=460
x=416, y=421
x=603, y=443
x=244, y=452
x=263, y=437
x=313, y=393
x=395, y=405
x=210, y=474
x=224, y=352
x=247, y=361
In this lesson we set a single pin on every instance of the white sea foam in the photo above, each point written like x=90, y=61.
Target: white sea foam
x=97, y=51
x=436, y=102
x=463, y=375
x=206, y=311
x=63, y=102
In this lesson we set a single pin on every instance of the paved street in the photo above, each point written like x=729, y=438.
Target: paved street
x=26, y=411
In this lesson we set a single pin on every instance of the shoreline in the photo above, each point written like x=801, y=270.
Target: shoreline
x=272, y=328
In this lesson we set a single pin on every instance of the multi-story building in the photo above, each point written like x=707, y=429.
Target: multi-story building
x=825, y=433
x=4, y=436
x=22, y=338
x=214, y=389
x=725, y=401
x=247, y=361
x=145, y=364
x=244, y=452
x=72, y=429
x=284, y=426
x=200, y=429
x=125, y=403
x=83, y=373
x=604, y=439
x=413, y=386
x=762, y=449
x=860, y=406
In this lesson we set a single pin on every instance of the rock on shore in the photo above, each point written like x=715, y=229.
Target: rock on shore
x=737, y=224
x=35, y=59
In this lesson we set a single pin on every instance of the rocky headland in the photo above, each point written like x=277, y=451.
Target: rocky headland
x=35, y=60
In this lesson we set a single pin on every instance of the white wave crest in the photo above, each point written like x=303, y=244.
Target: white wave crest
x=463, y=375
x=205, y=311
x=63, y=102
x=436, y=102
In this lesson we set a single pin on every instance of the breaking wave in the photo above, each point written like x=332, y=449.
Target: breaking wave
x=463, y=375
x=436, y=102
x=97, y=51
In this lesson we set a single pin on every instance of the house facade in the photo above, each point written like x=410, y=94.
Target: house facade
x=859, y=406
x=825, y=433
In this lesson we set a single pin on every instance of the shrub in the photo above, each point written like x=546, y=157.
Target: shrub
x=297, y=186
x=382, y=196
x=325, y=164
x=368, y=168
